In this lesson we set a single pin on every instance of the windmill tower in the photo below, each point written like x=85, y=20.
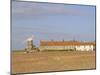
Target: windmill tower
x=30, y=43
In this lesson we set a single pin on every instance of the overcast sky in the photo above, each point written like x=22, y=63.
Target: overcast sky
x=46, y=21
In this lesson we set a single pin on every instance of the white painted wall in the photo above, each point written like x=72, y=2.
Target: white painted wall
x=78, y=48
x=84, y=48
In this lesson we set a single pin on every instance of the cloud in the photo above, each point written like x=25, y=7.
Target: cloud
x=37, y=9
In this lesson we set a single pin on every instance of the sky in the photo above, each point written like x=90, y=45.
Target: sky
x=51, y=21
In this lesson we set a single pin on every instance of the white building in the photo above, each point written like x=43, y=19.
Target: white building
x=67, y=45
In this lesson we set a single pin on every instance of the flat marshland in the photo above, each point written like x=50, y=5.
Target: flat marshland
x=52, y=61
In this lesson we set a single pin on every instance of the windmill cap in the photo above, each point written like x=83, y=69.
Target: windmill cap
x=29, y=39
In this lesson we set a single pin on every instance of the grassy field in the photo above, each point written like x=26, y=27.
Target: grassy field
x=52, y=61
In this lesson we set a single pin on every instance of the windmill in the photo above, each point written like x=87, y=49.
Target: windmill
x=30, y=46
x=29, y=42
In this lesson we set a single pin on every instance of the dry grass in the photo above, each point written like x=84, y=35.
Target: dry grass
x=52, y=61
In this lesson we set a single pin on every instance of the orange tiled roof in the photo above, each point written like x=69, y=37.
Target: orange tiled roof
x=64, y=43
